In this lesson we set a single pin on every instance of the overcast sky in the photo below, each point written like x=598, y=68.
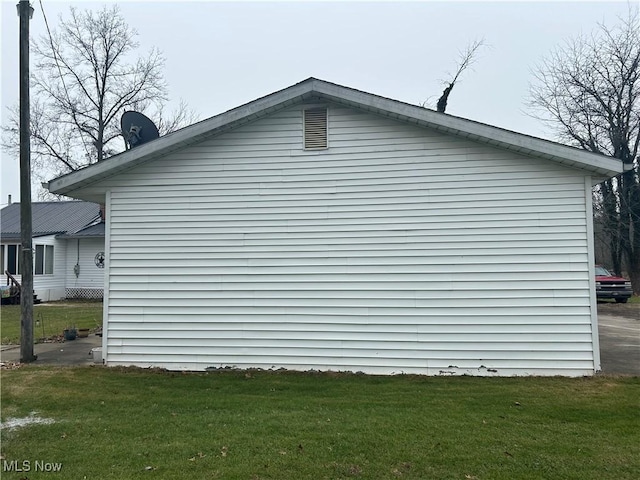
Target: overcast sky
x=220, y=55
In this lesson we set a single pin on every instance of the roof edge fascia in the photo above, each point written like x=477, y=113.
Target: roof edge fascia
x=489, y=134
x=175, y=140
x=476, y=131
x=74, y=236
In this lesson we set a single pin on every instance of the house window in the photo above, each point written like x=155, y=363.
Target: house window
x=13, y=259
x=44, y=260
x=315, y=128
x=48, y=260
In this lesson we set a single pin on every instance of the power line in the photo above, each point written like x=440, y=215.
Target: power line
x=53, y=50
x=55, y=58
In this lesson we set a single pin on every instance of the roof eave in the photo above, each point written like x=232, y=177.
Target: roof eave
x=598, y=165
x=11, y=237
x=506, y=139
x=179, y=139
x=72, y=236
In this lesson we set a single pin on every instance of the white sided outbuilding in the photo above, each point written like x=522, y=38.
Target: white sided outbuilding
x=325, y=228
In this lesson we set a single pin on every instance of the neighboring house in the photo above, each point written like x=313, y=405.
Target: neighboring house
x=326, y=228
x=67, y=237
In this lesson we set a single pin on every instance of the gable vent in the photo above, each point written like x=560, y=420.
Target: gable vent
x=315, y=128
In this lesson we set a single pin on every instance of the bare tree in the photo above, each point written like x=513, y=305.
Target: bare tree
x=86, y=75
x=588, y=91
x=466, y=59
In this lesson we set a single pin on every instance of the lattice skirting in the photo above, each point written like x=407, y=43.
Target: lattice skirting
x=85, y=293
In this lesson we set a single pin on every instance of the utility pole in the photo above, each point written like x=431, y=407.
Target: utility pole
x=25, y=12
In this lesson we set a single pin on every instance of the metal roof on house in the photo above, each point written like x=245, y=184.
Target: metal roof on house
x=313, y=89
x=92, y=231
x=49, y=218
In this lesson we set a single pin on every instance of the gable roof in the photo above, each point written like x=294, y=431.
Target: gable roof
x=319, y=90
x=48, y=218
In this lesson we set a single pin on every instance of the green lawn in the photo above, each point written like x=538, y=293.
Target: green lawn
x=113, y=423
x=50, y=319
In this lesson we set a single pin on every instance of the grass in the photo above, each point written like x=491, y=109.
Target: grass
x=114, y=423
x=50, y=319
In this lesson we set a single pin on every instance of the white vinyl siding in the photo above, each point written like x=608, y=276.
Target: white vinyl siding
x=399, y=249
x=82, y=252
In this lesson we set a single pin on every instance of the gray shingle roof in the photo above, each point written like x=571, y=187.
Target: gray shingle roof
x=49, y=218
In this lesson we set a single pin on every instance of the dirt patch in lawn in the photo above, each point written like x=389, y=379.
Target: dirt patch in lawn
x=36, y=377
x=626, y=310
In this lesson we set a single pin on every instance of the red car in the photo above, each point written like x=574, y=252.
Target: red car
x=610, y=286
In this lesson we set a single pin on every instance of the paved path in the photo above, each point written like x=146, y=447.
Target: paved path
x=73, y=352
x=619, y=344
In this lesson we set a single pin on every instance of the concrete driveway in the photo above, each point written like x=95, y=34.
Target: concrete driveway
x=74, y=352
x=619, y=328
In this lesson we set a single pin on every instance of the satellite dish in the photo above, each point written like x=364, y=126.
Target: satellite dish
x=137, y=129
